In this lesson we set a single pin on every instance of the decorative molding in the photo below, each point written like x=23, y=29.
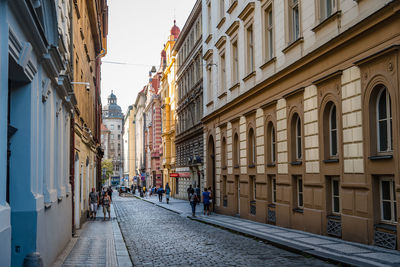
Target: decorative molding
x=247, y=11
x=209, y=37
x=293, y=44
x=45, y=89
x=268, y=62
x=208, y=54
x=232, y=7
x=336, y=15
x=249, y=76
x=327, y=77
x=221, y=41
x=294, y=92
x=221, y=22
x=233, y=28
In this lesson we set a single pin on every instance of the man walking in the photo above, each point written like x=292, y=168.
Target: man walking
x=93, y=202
x=160, y=192
x=189, y=190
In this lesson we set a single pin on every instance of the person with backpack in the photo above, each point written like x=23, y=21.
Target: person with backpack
x=193, y=201
x=167, y=192
x=160, y=192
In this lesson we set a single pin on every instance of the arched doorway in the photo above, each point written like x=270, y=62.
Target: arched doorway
x=76, y=192
x=211, y=168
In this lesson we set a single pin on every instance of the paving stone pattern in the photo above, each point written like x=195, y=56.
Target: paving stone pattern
x=158, y=237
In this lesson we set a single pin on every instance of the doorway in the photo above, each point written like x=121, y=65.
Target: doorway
x=211, y=169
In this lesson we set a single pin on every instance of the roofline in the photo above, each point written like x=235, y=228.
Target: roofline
x=188, y=24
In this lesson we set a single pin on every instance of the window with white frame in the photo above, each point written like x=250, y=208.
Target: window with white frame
x=335, y=195
x=384, y=121
x=298, y=139
x=333, y=136
x=209, y=82
x=236, y=150
x=250, y=49
x=294, y=20
x=388, y=199
x=269, y=35
x=235, y=62
x=326, y=8
x=299, y=185
x=112, y=126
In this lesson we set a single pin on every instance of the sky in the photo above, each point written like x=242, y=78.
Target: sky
x=137, y=31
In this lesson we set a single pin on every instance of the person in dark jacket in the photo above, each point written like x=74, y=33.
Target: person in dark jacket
x=110, y=191
x=160, y=192
x=167, y=192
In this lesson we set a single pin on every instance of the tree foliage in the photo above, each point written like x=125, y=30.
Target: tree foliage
x=108, y=165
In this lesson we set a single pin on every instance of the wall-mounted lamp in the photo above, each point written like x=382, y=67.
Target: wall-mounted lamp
x=87, y=85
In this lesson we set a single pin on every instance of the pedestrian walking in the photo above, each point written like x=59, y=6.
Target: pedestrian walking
x=167, y=192
x=188, y=191
x=193, y=201
x=211, y=196
x=110, y=191
x=160, y=193
x=198, y=193
x=106, y=206
x=206, y=201
x=93, y=202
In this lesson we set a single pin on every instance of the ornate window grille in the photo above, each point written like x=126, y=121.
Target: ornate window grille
x=253, y=207
x=334, y=226
x=385, y=236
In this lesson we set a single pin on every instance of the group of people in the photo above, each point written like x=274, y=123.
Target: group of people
x=103, y=198
x=194, y=199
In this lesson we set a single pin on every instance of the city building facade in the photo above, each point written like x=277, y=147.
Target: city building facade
x=129, y=144
x=113, y=121
x=189, y=110
x=153, y=132
x=36, y=107
x=300, y=129
x=140, y=122
x=89, y=33
x=168, y=105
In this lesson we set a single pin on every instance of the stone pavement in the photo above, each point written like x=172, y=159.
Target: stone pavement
x=324, y=247
x=157, y=237
x=176, y=205
x=98, y=243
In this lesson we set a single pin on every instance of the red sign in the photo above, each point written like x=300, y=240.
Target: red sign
x=174, y=175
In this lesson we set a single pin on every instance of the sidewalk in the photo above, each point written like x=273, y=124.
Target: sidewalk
x=98, y=243
x=329, y=248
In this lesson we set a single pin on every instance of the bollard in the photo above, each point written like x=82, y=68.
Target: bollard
x=33, y=260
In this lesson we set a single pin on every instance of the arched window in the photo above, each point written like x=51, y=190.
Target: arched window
x=298, y=138
x=252, y=147
x=384, y=121
x=223, y=153
x=333, y=137
x=236, y=151
x=273, y=145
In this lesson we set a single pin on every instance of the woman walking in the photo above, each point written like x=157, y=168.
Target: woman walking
x=193, y=201
x=106, y=206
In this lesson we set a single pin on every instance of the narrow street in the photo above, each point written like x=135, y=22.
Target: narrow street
x=158, y=237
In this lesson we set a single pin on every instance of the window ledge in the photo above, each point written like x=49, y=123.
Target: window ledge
x=268, y=62
x=222, y=95
x=236, y=167
x=233, y=87
x=210, y=103
x=334, y=217
x=250, y=75
x=252, y=166
x=47, y=205
x=380, y=157
x=331, y=160
x=272, y=205
x=271, y=165
x=208, y=38
x=232, y=7
x=221, y=22
x=299, y=162
x=298, y=210
x=385, y=226
x=333, y=16
x=224, y=168
x=293, y=44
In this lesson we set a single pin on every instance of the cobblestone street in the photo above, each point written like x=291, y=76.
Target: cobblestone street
x=157, y=237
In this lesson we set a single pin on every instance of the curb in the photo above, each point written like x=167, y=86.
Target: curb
x=122, y=254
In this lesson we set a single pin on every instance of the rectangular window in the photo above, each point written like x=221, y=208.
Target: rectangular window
x=209, y=82
x=294, y=20
x=335, y=195
x=112, y=126
x=221, y=8
x=269, y=38
x=222, y=73
x=250, y=50
x=119, y=127
x=299, y=185
x=273, y=189
x=326, y=8
x=235, y=61
x=388, y=199
x=119, y=137
x=209, y=18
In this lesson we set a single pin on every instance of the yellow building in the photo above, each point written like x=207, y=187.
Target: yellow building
x=129, y=145
x=89, y=41
x=168, y=98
